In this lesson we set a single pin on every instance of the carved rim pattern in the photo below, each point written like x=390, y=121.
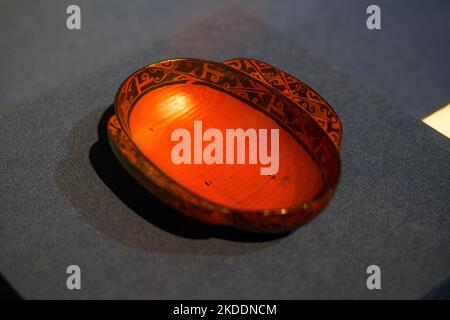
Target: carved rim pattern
x=260, y=94
x=305, y=97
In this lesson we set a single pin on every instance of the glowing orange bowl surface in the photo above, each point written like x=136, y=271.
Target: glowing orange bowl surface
x=237, y=186
x=149, y=111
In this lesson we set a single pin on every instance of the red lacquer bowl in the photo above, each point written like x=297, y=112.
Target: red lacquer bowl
x=200, y=97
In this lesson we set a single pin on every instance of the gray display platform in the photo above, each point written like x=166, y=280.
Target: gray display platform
x=65, y=200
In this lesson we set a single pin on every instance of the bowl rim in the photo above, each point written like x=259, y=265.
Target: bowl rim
x=336, y=143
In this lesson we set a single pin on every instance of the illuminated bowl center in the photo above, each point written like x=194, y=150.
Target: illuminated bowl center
x=155, y=117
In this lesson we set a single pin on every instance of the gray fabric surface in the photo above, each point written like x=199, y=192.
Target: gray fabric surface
x=406, y=61
x=62, y=202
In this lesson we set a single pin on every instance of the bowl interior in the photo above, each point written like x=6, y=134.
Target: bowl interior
x=196, y=108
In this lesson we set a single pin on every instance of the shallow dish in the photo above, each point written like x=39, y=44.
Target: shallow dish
x=179, y=102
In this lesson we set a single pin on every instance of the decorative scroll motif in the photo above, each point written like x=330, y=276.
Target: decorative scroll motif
x=304, y=96
x=254, y=92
